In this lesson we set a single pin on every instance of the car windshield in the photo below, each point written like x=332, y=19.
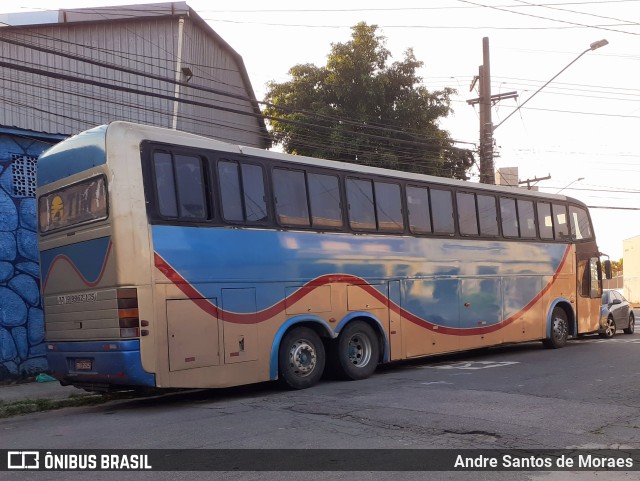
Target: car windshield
x=605, y=298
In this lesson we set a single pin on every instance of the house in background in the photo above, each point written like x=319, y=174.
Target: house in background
x=69, y=70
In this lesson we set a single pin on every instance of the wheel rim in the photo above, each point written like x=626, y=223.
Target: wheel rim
x=632, y=324
x=359, y=350
x=610, y=329
x=302, y=357
x=559, y=328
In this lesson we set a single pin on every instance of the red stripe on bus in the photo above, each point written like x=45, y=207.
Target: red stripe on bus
x=279, y=307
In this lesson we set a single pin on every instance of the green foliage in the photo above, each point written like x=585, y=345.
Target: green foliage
x=359, y=109
x=26, y=406
x=617, y=268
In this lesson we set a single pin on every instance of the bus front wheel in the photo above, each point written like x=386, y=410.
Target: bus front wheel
x=559, y=329
x=357, y=351
x=301, y=358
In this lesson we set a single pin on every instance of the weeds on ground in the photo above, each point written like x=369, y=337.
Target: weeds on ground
x=15, y=408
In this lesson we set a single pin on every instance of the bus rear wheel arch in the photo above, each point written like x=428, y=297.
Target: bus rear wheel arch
x=355, y=354
x=301, y=358
x=559, y=332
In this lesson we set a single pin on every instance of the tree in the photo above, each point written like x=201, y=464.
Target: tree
x=359, y=109
x=617, y=268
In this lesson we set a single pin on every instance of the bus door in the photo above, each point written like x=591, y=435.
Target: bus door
x=589, y=293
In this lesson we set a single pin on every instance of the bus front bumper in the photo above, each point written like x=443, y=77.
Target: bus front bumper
x=98, y=362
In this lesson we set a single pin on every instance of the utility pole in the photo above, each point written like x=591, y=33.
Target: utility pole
x=535, y=180
x=487, y=175
x=486, y=100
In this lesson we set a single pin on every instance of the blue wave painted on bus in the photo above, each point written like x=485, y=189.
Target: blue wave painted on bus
x=433, y=270
x=88, y=259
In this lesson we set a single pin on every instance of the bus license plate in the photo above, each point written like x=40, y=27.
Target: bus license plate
x=83, y=365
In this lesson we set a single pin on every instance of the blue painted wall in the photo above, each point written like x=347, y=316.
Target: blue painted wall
x=22, y=348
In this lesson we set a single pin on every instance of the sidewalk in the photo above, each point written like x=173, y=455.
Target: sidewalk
x=36, y=390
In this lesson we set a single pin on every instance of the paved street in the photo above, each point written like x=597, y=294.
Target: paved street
x=524, y=396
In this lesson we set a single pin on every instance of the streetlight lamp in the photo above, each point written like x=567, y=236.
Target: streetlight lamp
x=573, y=181
x=593, y=46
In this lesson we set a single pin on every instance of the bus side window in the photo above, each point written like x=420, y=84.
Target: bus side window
x=560, y=221
x=526, y=219
x=467, y=217
x=324, y=197
x=190, y=186
x=487, y=215
x=255, y=200
x=580, y=228
x=389, y=207
x=442, y=210
x=509, y=217
x=165, y=184
x=419, y=213
x=362, y=214
x=230, y=193
x=290, y=193
x=545, y=221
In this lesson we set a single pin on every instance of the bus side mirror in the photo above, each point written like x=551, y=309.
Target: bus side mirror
x=607, y=270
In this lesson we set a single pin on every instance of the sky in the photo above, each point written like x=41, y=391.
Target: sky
x=581, y=129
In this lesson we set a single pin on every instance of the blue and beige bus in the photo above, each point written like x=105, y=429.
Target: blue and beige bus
x=171, y=260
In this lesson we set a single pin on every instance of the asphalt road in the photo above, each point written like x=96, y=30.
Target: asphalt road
x=586, y=395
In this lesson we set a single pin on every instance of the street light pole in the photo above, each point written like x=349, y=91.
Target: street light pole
x=593, y=46
x=573, y=181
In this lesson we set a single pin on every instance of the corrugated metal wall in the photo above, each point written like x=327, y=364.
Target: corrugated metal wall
x=49, y=84
x=214, y=68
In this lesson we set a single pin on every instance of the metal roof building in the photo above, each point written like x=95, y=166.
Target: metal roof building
x=66, y=71
x=161, y=64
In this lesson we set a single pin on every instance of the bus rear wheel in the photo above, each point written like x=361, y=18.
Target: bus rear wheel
x=559, y=329
x=357, y=351
x=301, y=358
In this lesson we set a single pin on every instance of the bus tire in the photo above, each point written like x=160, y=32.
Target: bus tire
x=301, y=358
x=357, y=351
x=559, y=329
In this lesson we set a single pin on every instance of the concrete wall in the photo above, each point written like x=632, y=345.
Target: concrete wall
x=22, y=349
x=631, y=269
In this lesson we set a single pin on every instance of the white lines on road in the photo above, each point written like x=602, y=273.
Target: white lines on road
x=472, y=365
x=436, y=382
x=634, y=340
